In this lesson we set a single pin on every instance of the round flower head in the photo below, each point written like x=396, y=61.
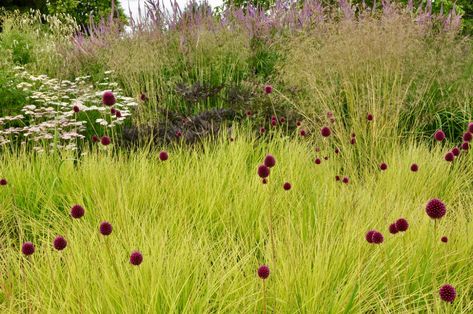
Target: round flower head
x=345, y=180
x=136, y=258
x=449, y=157
x=268, y=89
x=393, y=228
x=262, y=130
x=337, y=178
x=3, y=181
x=444, y=239
x=269, y=161
x=95, y=138
x=467, y=137
x=325, y=131
x=27, y=248
x=248, y=113
x=163, y=155
x=303, y=133
x=298, y=123
x=59, y=243
x=377, y=237
x=106, y=228
x=178, y=133
x=447, y=293
x=263, y=171
x=455, y=151
x=318, y=161
x=465, y=145
x=282, y=120
x=470, y=127
x=77, y=211
x=118, y=114
x=105, y=140
x=402, y=224
x=287, y=186
x=369, y=117
x=414, y=167
x=439, y=135
x=143, y=97
x=108, y=98
x=326, y=158
x=435, y=209
x=75, y=109
x=263, y=272
x=274, y=122
x=383, y=166
x=113, y=111
x=369, y=236
x=337, y=150
x=264, y=181
x=353, y=135
x=353, y=141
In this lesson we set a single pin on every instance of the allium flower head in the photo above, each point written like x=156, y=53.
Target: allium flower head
x=337, y=150
x=269, y=161
x=27, y=248
x=468, y=136
x=268, y=89
x=113, y=111
x=282, y=120
x=439, y=135
x=118, y=114
x=3, y=181
x=325, y=131
x=263, y=171
x=143, y=97
x=264, y=181
x=369, y=236
x=393, y=228
x=95, y=138
x=465, y=145
x=303, y=133
x=105, y=140
x=263, y=272
x=105, y=228
x=76, y=109
x=59, y=243
x=77, y=211
x=163, y=155
x=136, y=258
x=447, y=293
x=274, y=122
x=108, y=98
x=414, y=167
x=455, y=151
x=377, y=237
x=249, y=113
x=287, y=186
x=178, y=134
x=337, y=178
x=298, y=123
x=435, y=208
x=318, y=161
x=353, y=141
x=345, y=180
x=369, y=117
x=262, y=130
x=383, y=166
x=470, y=127
x=449, y=157
x=353, y=135
x=402, y=224
x=444, y=239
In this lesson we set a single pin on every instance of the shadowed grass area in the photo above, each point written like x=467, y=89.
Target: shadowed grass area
x=201, y=221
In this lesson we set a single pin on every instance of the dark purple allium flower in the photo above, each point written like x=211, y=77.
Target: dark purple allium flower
x=467, y=137
x=262, y=130
x=263, y=171
x=268, y=89
x=393, y=228
x=402, y=224
x=27, y=248
x=318, y=161
x=439, y=135
x=377, y=237
x=414, y=167
x=337, y=178
x=337, y=150
x=95, y=138
x=59, y=243
x=345, y=180
x=353, y=140
x=298, y=123
x=108, y=98
x=178, y=133
x=105, y=228
x=264, y=181
x=369, y=236
x=383, y=166
x=449, y=156
x=303, y=133
x=470, y=127
x=447, y=293
x=269, y=161
x=113, y=111
x=3, y=181
x=465, y=145
x=249, y=113
x=105, y=140
x=76, y=109
x=456, y=151
x=263, y=272
x=287, y=186
x=369, y=117
x=435, y=208
x=163, y=155
x=232, y=139
x=444, y=239
x=274, y=122
x=143, y=97
x=326, y=158
x=118, y=114
x=325, y=131
x=353, y=135
x=282, y=120
x=136, y=258
x=77, y=211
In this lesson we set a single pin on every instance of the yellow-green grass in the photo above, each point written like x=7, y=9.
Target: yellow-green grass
x=201, y=221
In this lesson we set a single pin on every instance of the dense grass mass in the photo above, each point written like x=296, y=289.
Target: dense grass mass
x=201, y=221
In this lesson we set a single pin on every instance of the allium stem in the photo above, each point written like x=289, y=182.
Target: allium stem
x=264, y=296
x=271, y=229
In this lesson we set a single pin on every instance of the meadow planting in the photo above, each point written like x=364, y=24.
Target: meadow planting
x=307, y=158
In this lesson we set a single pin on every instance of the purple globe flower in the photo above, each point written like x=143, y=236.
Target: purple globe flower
x=178, y=134
x=263, y=171
x=439, y=135
x=393, y=228
x=282, y=120
x=369, y=117
x=3, y=181
x=108, y=98
x=163, y=155
x=27, y=248
x=268, y=89
x=287, y=186
x=470, y=127
x=402, y=224
x=444, y=239
x=264, y=181
x=262, y=130
x=353, y=141
x=105, y=140
x=325, y=131
x=118, y=114
x=95, y=138
x=449, y=157
x=269, y=161
x=298, y=123
x=274, y=122
x=465, y=145
x=414, y=167
x=383, y=166
x=263, y=272
x=76, y=109
x=337, y=178
x=337, y=150
x=369, y=236
x=455, y=151
x=467, y=137
x=105, y=228
x=345, y=180
x=318, y=161
x=303, y=133
x=447, y=293
x=377, y=237
x=435, y=208
x=77, y=211
x=136, y=258
x=113, y=111
x=249, y=113
x=59, y=243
